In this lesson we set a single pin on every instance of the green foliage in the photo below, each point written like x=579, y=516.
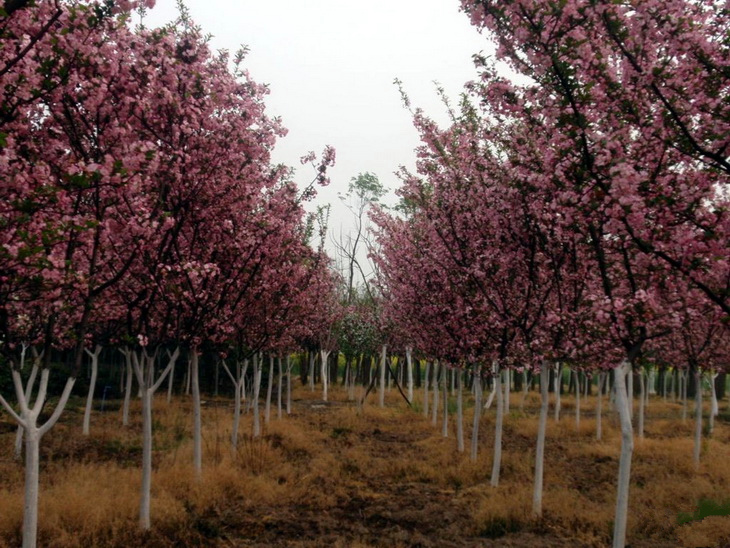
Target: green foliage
x=705, y=508
x=366, y=187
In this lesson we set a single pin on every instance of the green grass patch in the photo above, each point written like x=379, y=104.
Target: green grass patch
x=705, y=508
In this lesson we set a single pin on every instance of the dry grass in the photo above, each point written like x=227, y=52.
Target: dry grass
x=333, y=474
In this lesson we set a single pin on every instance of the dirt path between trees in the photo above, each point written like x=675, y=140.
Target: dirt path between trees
x=378, y=501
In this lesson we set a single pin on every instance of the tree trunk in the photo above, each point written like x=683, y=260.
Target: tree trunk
x=627, y=448
x=28, y=395
x=324, y=373
x=714, y=408
x=497, y=462
x=460, y=411
x=170, y=382
x=540, y=452
x=92, y=385
x=128, y=387
x=28, y=419
x=558, y=388
x=269, y=388
x=507, y=389
x=698, y=416
x=577, y=399
x=425, y=389
x=311, y=371
x=146, y=486
x=435, y=402
x=477, y=414
x=143, y=370
x=642, y=402
x=684, y=396
x=197, y=424
x=445, y=421
x=525, y=387
x=239, y=387
x=409, y=366
x=630, y=393
x=381, y=387
x=279, y=388
x=256, y=391
x=599, y=404
x=288, y=385
x=188, y=378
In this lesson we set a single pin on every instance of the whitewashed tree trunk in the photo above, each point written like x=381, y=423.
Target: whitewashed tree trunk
x=556, y=388
x=684, y=395
x=540, y=451
x=477, y=414
x=255, y=399
x=642, y=402
x=354, y=368
x=289, y=365
x=279, y=388
x=425, y=388
x=409, y=366
x=630, y=393
x=381, y=387
x=507, y=389
x=197, y=418
x=188, y=378
x=651, y=380
x=435, y=402
x=599, y=404
x=324, y=355
x=490, y=398
x=128, y=386
x=714, y=408
x=32, y=434
x=577, y=399
x=238, y=393
x=445, y=414
x=143, y=371
x=698, y=417
x=497, y=462
x=460, y=411
x=269, y=388
x=28, y=394
x=627, y=448
x=92, y=385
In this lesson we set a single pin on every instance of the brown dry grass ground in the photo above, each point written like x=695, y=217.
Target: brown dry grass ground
x=332, y=475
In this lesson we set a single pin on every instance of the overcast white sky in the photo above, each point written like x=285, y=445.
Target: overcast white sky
x=330, y=65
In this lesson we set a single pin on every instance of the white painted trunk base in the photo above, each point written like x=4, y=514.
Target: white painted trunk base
x=540, y=450
x=477, y=415
x=381, y=386
x=92, y=386
x=32, y=434
x=435, y=385
x=460, y=411
x=497, y=461
x=425, y=388
x=698, y=418
x=627, y=448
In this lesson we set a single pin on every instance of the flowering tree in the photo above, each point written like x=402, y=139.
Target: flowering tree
x=621, y=102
